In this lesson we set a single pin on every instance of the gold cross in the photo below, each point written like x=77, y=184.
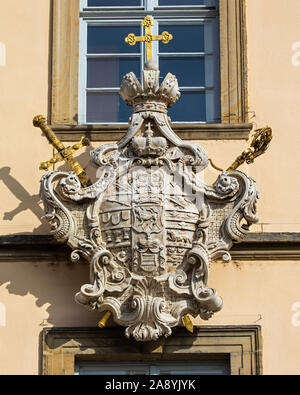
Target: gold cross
x=165, y=37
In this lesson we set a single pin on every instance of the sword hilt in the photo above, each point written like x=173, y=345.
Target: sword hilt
x=259, y=145
x=40, y=122
x=64, y=153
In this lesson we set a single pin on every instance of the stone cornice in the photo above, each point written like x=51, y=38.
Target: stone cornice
x=186, y=131
x=268, y=246
x=256, y=247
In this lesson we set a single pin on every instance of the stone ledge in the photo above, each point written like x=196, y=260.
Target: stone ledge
x=256, y=247
x=186, y=131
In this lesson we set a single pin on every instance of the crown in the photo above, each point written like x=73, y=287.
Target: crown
x=148, y=145
x=150, y=97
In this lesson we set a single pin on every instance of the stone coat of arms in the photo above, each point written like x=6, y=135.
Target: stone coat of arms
x=149, y=227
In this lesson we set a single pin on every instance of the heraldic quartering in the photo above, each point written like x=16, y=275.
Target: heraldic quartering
x=149, y=227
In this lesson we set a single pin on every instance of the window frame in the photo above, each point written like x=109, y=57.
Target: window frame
x=155, y=367
x=242, y=345
x=233, y=64
x=201, y=16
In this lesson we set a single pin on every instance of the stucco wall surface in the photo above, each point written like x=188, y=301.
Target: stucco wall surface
x=36, y=296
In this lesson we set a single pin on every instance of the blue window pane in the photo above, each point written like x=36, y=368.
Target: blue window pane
x=111, y=39
x=113, y=3
x=109, y=72
x=186, y=38
x=191, y=107
x=189, y=71
x=106, y=107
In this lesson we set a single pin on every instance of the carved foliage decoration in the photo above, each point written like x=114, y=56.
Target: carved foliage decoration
x=149, y=227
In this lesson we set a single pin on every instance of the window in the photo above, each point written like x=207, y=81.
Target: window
x=204, y=367
x=192, y=55
x=71, y=18
x=209, y=350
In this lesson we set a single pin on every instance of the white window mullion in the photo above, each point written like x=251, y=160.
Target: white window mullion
x=150, y=4
x=210, y=73
x=155, y=44
x=112, y=22
x=103, y=90
x=153, y=370
x=83, y=4
x=184, y=54
x=82, y=73
x=142, y=54
x=112, y=55
x=209, y=98
x=196, y=88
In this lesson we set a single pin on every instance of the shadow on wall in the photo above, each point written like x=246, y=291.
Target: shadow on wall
x=53, y=286
x=27, y=201
x=33, y=202
x=52, y=283
x=55, y=279
x=41, y=295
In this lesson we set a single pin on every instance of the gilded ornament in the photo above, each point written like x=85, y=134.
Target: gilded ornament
x=64, y=153
x=259, y=145
x=132, y=39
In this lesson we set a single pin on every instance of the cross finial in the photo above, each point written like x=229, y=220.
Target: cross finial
x=149, y=131
x=165, y=37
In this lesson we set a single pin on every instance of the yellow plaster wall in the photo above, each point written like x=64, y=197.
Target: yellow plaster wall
x=24, y=30
x=42, y=295
x=274, y=99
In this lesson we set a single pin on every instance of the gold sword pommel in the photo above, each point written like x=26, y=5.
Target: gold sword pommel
x=259, y=145
x=64, y=153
